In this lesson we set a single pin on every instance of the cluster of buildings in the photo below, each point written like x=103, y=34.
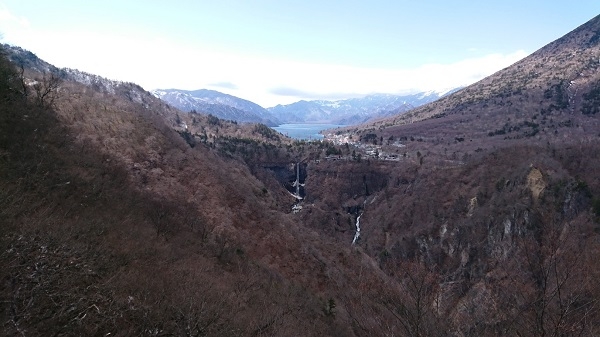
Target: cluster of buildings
x=362, y=150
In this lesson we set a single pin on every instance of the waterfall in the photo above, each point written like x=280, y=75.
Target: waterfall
x=357, y=234
x=297, y=183
x=364, y=205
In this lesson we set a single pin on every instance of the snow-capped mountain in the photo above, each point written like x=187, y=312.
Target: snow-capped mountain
x=353, y=110
x=345, y=112
x=218, y=104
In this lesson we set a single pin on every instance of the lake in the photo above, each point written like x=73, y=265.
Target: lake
x=304, y=131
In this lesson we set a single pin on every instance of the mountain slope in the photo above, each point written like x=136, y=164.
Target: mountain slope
x=218, y=104
x=556, y=85
x=113, y=223
x=125, y=216
x=494, y=187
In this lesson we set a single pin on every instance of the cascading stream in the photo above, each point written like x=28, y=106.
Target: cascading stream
x=357, y=233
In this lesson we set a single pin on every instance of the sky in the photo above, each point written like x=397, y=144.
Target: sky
x=278, y=52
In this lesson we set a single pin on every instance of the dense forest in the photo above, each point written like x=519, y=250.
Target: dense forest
x=479, y=214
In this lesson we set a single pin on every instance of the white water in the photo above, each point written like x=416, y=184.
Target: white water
x=295, y=196
x=297, y=182
x=296, y=207
x=357, y=234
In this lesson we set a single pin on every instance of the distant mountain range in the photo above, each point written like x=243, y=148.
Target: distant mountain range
x=353, y=110
x=343, y=112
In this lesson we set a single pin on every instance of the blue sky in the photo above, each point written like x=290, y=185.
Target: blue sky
x=277, y=52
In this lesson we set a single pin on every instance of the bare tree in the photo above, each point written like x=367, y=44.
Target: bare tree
x=47, y=89
x=23, y=88
x=552, y=294
x=415, y=307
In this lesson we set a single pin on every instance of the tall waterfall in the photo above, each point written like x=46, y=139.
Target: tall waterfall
x=297, y=183
x=357, y=234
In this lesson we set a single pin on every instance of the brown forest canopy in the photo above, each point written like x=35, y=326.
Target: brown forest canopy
x=122, y=215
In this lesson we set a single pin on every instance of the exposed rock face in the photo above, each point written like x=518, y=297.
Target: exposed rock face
x=536, y=183
x=472, y=205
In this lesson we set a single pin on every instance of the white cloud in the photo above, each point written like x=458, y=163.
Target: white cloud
x=11, y=25
x=158, y=62
x=295, y=80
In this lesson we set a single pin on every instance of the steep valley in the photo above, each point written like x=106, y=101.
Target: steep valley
x=479, y=214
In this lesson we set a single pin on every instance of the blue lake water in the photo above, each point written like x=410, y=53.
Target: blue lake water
x=304, y=131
